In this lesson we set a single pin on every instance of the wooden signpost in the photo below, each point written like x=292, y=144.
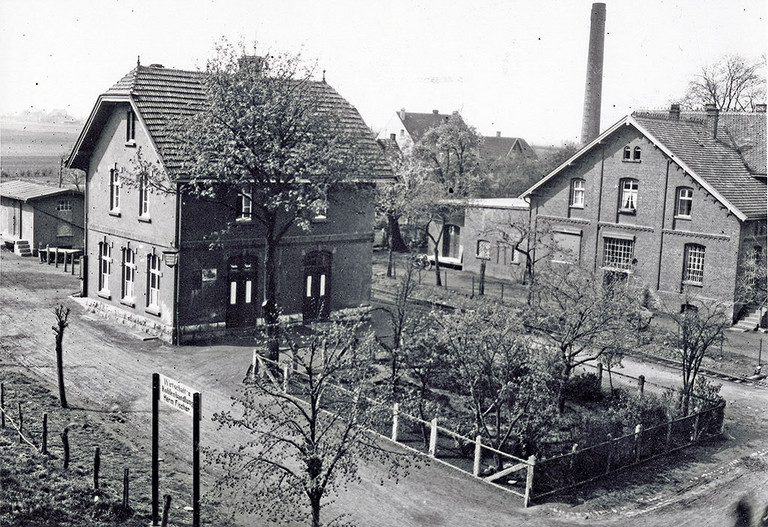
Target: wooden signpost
x=184, y=399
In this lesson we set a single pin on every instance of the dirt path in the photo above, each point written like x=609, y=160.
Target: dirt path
x=108, y=375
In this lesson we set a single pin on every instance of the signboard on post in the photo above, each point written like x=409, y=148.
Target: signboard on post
x=176, y=395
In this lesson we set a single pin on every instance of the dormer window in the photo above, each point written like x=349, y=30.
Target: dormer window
x=130, y=128
x=629, y=189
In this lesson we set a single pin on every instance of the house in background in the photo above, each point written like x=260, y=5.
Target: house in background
x=151, y=260
x=407, y=128
x=33, y=216
x=498, y=147
x=674, y=200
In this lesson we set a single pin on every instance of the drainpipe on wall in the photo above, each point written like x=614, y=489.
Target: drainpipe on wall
x=84, y=261
x=663, y=221
x=176, y=337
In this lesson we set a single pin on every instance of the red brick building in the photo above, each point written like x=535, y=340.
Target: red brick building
x=669, y=199
x=151, y=259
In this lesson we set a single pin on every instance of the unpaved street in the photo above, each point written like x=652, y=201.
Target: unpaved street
x=108, y=372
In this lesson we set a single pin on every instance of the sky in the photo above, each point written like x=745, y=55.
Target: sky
x=510, y=66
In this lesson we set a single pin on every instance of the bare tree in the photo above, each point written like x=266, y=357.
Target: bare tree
x=62, y=316
x=733, y=84
x=305, y=442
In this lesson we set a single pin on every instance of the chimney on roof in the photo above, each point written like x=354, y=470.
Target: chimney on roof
x=760, y=107
x=674, y=112
x=435, y=112
x=590, y=126
x=498, y=134
x=401, y=113
x=713, y=116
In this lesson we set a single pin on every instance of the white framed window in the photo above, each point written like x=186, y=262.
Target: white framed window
x=64, y=205
x=105, y=266
x=684, y=202
x=693, y=264
x=245, y=207
x=483, y=249
x=130, y=127
x=629, y=188
x=618, y=253
x=153, y=281
x=129, y=275
x=114, y=190
x=144, y=195
x=577, y=193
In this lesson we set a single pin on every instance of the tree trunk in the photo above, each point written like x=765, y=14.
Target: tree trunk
x=269, y=307
x=396, y=241
x=60, y=365
x=438, y=280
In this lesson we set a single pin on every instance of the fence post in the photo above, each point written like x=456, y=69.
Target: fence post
x=285, y=378
x=722, y=420
x=600, y=374
x=478, y=456
x=56, y=257
x=96, y=466
x=433, y=438
x=696, y=428
x=473, y=287
x=574, y=448
x=2, y=404
x=65, y=442
x=638, y=433
x=125, y=490
x=641, y=379
x=44, y=446
x=65, y=262
x=610, y=454
x=445, y=279
x=529, y=481
x=669, y=436
x=502, y=290
x=395, y=420
x=21, y=422
x=166, y=509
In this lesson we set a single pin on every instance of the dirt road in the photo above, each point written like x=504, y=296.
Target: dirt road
x=108, y=374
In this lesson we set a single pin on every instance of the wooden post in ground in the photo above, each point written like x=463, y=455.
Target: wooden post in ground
x=610, y=454
x=156, y=449
x=669, y=437
x=638, y=434
x=600, y=374
x=2, y=404
x=96, y=466
x=44, y=442
x=65, y=261
x=696, y=428
x=433, y=438
x=478, y=456
x=529, y=481
x=65, y=442
x=641, y=381
x=125, y=490
x=56, y=257
x=21, y=422
x=395, y=421
x=196, y=418
x=166, y=509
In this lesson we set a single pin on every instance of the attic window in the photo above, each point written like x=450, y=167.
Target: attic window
x=130, y=128
x=636, y=154
x=627, y=154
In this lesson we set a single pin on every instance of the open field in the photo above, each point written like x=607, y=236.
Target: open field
x=29, y=146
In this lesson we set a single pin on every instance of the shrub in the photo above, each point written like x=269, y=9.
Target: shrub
x=584, y=388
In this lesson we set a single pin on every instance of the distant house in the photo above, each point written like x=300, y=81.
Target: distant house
x=33, y=216
x=498, y=147
x=673, y=200
x=407, y=128
x=150, y=260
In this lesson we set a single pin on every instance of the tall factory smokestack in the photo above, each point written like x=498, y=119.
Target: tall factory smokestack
x=590, y=127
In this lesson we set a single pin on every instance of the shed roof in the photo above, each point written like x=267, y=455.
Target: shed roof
x=26, y=191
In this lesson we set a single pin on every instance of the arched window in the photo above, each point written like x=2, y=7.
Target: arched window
x=627, y=153
x=636, y=154
x=693, y=264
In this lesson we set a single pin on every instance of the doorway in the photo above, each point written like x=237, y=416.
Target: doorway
x=317, y=286
x=241, y=290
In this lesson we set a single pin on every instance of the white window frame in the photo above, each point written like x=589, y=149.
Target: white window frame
x=144, y=196
x=129, y=275
x=245, y=210
x=64, y=205
x=693, y=264
x=105, y=267
x=154, y=274
x=114, y=190
x=577, y=193
x=680, y=198
x=629, y=193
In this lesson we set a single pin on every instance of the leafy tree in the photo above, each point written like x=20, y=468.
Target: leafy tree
x=267, y=131
x=582, y=317
x=505, y=383
x=451, y=153
x=305, y=443
x=733, y=84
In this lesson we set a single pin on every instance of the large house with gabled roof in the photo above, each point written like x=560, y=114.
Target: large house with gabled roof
x=674, y=200
x=150, y=259
x=407, y=128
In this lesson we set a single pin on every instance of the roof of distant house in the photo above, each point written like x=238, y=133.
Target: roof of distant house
x=499, y=147
x=732, y=167
x=417, y=124
x=26, y=191
x=163, y=96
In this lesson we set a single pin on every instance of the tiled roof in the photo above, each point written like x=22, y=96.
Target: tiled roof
x=25, y=191
x=163, y=96
x=720, y=162
x=498, y=147
x=417, y=124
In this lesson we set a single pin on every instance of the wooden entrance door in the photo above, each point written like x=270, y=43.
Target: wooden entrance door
x=317, y=286
x=241, y=292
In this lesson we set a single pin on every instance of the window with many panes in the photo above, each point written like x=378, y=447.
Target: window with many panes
x=618, y=253
x=245, y=208
x=114, y=190
x=144, y=196
x=629, y=189
x=483, y=249
x=153, y=281
x=693, y=264
x=577, y=193
x=129, y=275
x=105, y=266
x=684, y=202
x=64, y=205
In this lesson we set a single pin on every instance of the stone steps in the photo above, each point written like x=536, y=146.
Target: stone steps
x=21, y=247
